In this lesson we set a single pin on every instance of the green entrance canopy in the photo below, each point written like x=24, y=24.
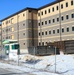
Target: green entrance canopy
x=9, y=41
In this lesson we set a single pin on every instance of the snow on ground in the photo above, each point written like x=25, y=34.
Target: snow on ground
x=19, y=69
x=64, y=64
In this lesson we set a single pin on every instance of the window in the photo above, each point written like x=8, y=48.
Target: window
x=24, y=43
x=12, y=20
x=67, y=17
x=57, y=8
x=6, y=30
x=61, y=6
x=66, y=4
x=49, y=10
x=7, y=47
x=45, y=12
x=53, y=31
x=42, y=23
x=45, y=22
x=67, y=29
x=62, y=30
x=46, y=33
x=6, y=37
x=23, y=33
x=46, y=43
x=72, y=28
x=9, y=21
x=9, y=29
x=42, y=13
x=29, y=11
x=53, y=9
x=3, y=30
x=6, y=22
x=15, y=46
x=42, y=43
x=12, y=36
x=72, y=15
x=53, y=20
x=42, y=33
x=71, y=2
x=23, y=14
x=62, y=18
x=39, y=24
x=38, y=14
x=49, y=32
x=49, y=21
x=39, y=44
x=23, y=24
x=57, y=19
x=57, y=30
x=12, y=28
x=9, y=37
x=39, y=34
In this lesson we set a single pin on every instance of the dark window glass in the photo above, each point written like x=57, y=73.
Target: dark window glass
x=67, y=29
x=39, y=24
x=39, y=44
x=42, y=13
x=72, y=15
x=45, y=22
x=23, y=33
x=71, y=2
x=49, y=32
x=53, y=20
x=49, y=21
x=53, y=9
x=46, y=33
x=67, y=17
x=42, y=23
x=23, y=24
x=38, y=14
x=23, y=14
x=61, y=6
x=39, y=34
x=72, y=28
x=62, y=18
x=46, y=42
x=57, y=30
x=49, y=10
x=57, y=19
x=42, y=43
x=45, y=12
x=42, y=33
x=67, y=4
x=29, y=11
x=57, y=7
x=16, y=46
x=62, y=30
x=53, y=31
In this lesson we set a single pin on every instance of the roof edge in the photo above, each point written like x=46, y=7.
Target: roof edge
x=57, y=1
x=18, y=13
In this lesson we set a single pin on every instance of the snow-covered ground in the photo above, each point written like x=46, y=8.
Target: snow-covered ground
x=64, y=64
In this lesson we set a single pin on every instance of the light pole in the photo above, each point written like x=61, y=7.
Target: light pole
x=55, y=59
x=18, y=35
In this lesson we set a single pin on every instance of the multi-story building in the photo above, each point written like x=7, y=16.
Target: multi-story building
x=56, y=22
x=34, y=27
x=21, y=26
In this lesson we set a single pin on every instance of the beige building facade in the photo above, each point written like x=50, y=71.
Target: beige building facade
x=34, y=27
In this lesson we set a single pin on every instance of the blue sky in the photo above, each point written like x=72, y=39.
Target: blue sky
x=8, y=7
